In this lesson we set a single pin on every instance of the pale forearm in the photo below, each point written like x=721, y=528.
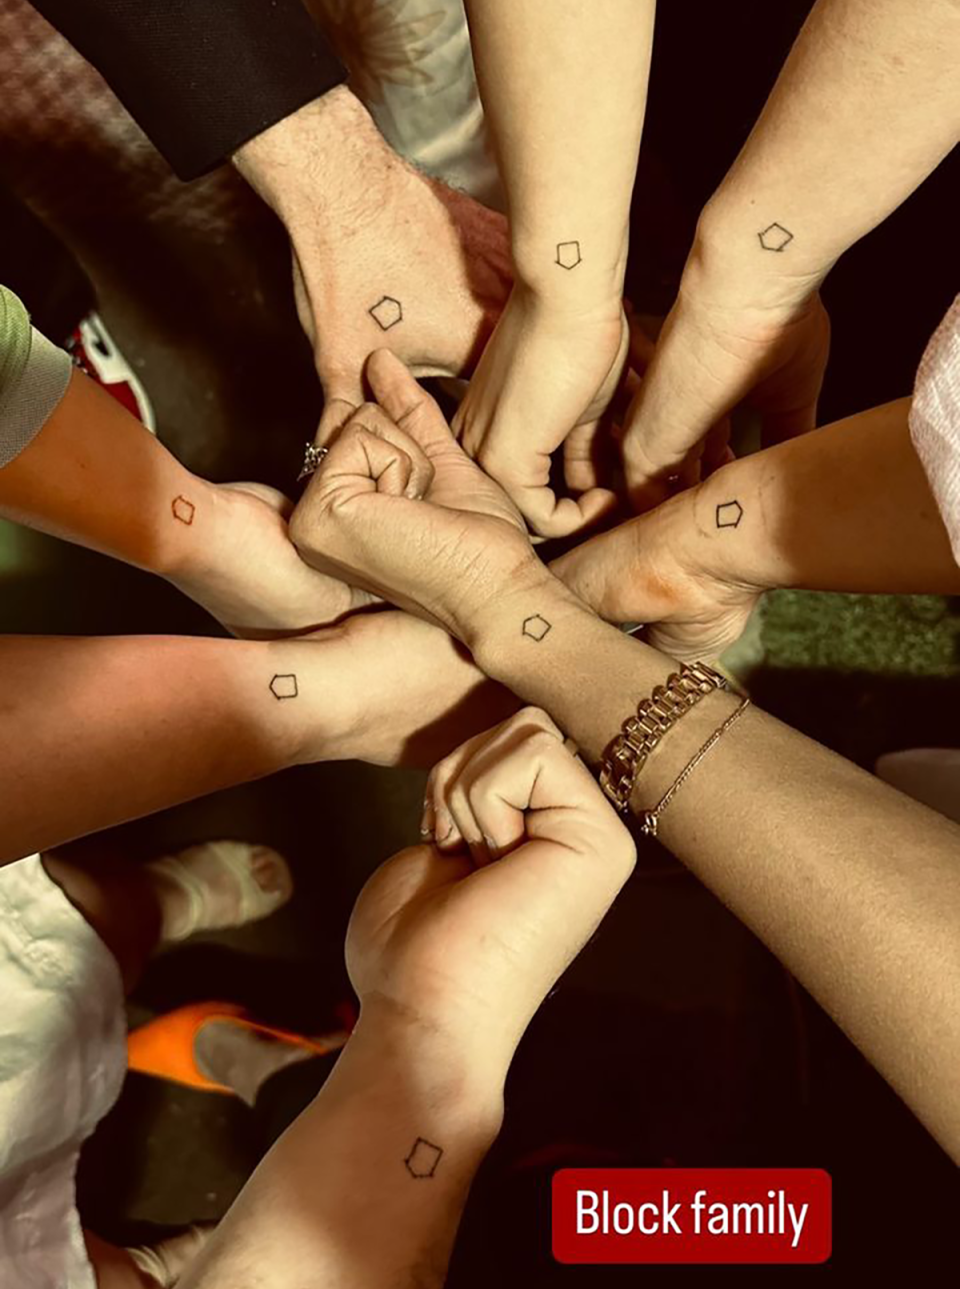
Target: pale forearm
x=866, y=106
x=845, y=508
x=307, y=165
x=854, y=887
x=367, y=1186
x=564, y=87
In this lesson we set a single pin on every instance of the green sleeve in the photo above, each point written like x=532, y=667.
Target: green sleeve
x=34, y=375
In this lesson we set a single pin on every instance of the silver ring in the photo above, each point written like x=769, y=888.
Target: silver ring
x=312, y=459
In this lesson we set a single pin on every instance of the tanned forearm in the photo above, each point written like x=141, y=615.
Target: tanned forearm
x=866, y=106
x=564, y=86
x=845, y=508
x=854, y=887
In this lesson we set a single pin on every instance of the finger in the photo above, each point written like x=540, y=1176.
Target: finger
x=469, y=431
x=406, y=402
x=480, y=755
x=584, y=457
x=466, y=829
x=375, y=420
x=440, y=782
x=428, y=817
x=369, y=462
x=550, y=516
x=336, y=412
x=498, y=784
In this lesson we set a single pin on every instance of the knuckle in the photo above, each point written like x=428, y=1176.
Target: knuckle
x=534, y=717
x=301, y=526
x=544, y=740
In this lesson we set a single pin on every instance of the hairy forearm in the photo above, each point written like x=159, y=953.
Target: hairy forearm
x=95, y=476
x=367, y=1186
x=854, y=887
x=866, y=106
x=564, y=87
x=307, y=165
x=845, y=508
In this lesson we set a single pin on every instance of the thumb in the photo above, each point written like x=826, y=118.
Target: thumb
x=598, y=571
x=407, y=403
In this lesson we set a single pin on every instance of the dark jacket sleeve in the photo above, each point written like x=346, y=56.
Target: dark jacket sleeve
x=201, y=77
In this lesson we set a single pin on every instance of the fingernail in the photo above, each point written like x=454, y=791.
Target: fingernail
x=493, y=850
x=427, y=820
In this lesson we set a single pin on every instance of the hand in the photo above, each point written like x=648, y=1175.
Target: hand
x=710, y=356
x=367, y=228
x=472, y=951
x=414, y=693
x=398, y=509
x=546, y=378
x=652, y=569
x=246, y=573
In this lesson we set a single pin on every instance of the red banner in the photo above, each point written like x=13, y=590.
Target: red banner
x=634, y=1215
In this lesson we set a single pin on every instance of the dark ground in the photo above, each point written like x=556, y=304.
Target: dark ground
x=676, y=1037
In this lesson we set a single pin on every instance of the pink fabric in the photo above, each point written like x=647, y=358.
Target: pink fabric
x=935, y=419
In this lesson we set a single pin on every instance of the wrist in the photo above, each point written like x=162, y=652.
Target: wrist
x=728, y=539
x=459, y=1082
x=570, y=275
x=728, y=268
x=321, y=723
x=486, y=625
x=312, y=161
x=187, y=524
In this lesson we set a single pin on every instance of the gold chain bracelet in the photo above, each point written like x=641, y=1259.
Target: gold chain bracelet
x=640, y=734
x=651, y=818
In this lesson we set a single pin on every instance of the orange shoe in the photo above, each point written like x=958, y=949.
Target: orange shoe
x=164, y=1047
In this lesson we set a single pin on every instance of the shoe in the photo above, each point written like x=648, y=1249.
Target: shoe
x=235, y=859
x=95, y=353
x=165, y=1047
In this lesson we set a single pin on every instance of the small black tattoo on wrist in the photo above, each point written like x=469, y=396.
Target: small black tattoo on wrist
x=536, y=627
x=387, y=312
x=284, y=687
x=423, y=1159
x=183, y=510
x=775, y=237
x=568, y=254
x=729, y=514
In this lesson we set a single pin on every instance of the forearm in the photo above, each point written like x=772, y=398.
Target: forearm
x=367, y=1186
x=866, y=106
x=94, y=476
x=854, y=887
x=136, y=724
x=307, y=166
x=844, y=508
x=564, y=87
